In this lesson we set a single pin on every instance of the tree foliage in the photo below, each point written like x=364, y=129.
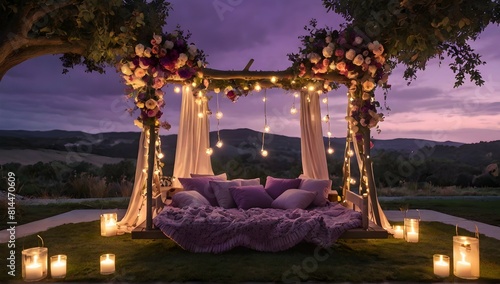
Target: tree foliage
x=414, y=31
x=88, y=32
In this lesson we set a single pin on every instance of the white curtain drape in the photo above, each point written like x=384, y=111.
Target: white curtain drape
x=192, y=139
x=383, y=219
x=311, y=133
x=135, y=215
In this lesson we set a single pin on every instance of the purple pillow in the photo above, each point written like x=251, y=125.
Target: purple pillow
x=276, y=186
x=202, y=186
x=294, y=198
x=222, y=194
x=250, y=196
x=189, y=198
x=320, y=186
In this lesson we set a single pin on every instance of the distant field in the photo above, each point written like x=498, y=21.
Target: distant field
x=29, y=157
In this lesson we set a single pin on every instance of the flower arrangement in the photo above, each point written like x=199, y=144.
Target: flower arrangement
x=169, y=57
x=351, y=54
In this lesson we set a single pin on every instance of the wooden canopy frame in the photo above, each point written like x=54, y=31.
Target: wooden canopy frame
x=370, y=228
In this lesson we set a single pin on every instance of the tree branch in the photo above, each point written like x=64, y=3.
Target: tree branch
x=34, y=15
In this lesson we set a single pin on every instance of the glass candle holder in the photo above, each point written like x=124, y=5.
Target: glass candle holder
x=411, y=230
x=107, y=264
x=466, y=257
x=108, y=224
x=441, y=265
x=34, y=264
x=58, y=266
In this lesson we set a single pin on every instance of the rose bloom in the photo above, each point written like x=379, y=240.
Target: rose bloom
x=314, y=57
x=168, y=44
x=372, y=69
x=151, y=104
x=366, y=96
x=341, y=66
x=152, y=112
x=368, y=85
x=328, y=39
x=357, y=40
x=358, y=60
x=147, y=52
x=140, y=104
x=328, y=52
x=156, y=38
x=192, y=50
x=139, y=50
x=339, y=52
x=159, y=94
x=139, y=73
x=126, y=70
x=350, y=54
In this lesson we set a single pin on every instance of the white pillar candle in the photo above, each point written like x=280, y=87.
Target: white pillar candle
x=464, y=268
x=58, y=266
x=111, y=228
x=107, y=263
x=398, y=232
x=109, y=225
x=441, y=265
x=34, y=270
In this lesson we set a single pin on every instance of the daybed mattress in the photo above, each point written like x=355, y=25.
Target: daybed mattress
x=215, y=229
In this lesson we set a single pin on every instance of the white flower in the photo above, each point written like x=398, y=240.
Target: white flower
x=357, y=40
x=168, y=44
x=352, y=74
x=358, y=60
x=147, y=52
x=327, y=52
x=157, y=38
x=216, y=90
x=376, y=116
x=131, y=65
x=139, y=50
x=328, y=39
x=151, y=104
x=372, y=69
x=140, y=104
x=366, y=96
x=368, y=85
x=126, y=70
x=314, y=57
x=137, y=82
x=332, y=65
x=368, y=60
x=183, y=58
x=193, y=50
x=376, y=48
x=350, y=54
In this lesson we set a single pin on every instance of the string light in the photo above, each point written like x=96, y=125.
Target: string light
x=264, y=152
x=274, y=79
x=293, y=110
x=209, y=151
x=352, y=181
x=218, y=116
x=161, y=155
x=311, y=88
x=330, y=150
x=177, y=89
x=257, y=87
x=200, y=114
x=326, y=119
x=350, y=153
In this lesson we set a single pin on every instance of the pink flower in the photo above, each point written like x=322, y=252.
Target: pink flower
x=302, y=70
x=339, y=52
x=139, y=73
x=341, y=66
x=152, y=112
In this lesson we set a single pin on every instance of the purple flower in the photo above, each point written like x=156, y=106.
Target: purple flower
x=186, y=73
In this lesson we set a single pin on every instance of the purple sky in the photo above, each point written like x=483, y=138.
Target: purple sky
x=36, y=96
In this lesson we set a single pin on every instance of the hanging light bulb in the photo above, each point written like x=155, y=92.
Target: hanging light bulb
x=325, y=100
x=161, y=155
x=209, y=151
x=264, y=153
x=326, y=118
x=219, y=114
x=257, y=87
x=193, y=84
x=293, y=110
x=219, y=144
x=350, y=153
x=267, y=129
x=311, y=88
x=177, y=89
x=200, y=114
x=274, y=79
x=330, y=150
x=264, y=99
x=200, y=94
x=296, y=94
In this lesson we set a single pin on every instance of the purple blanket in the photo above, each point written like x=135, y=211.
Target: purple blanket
x=215, y=229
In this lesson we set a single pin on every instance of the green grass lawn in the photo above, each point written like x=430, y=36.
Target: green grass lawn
x=163, y=260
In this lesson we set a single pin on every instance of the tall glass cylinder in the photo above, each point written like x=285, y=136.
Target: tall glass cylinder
x=108, y=224
x=466, y=257
x=58, y=266
x=411, y=230
x=34, y=264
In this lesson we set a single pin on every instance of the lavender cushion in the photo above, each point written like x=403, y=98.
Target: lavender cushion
x=202, y=186
x=251, y=196
x=320, y=186
x=294, y=198
x=276, y=186
x=253, y=181
x=189, y=198
x=222, y=194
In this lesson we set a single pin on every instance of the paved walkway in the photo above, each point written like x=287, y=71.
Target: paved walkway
x=87, y=215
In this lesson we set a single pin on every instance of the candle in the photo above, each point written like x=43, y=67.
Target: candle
x=111, y=228
x=34, y=270
x=441, y=265
x=58, y=266
x=463, y=268
x=107, y=263
x=398, y=232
